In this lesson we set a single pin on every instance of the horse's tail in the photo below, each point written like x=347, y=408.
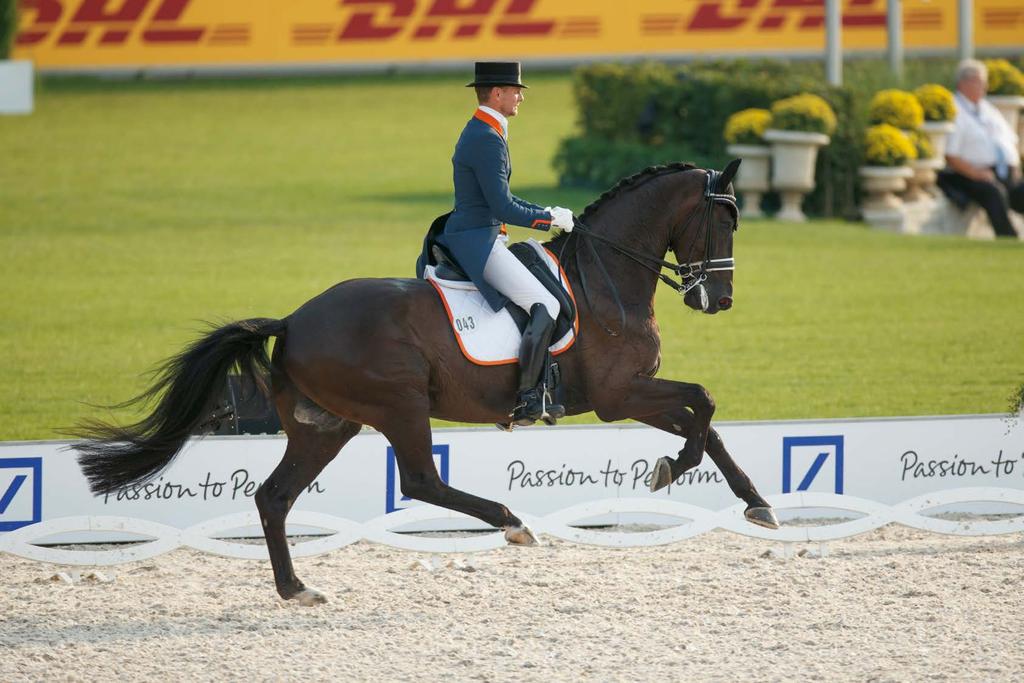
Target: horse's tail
x=113, y=457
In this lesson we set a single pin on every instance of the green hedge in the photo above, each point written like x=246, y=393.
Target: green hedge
x=8, y=26
x=632, y=116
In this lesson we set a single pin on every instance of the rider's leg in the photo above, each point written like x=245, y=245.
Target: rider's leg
x=532, y=403
x=509, y=276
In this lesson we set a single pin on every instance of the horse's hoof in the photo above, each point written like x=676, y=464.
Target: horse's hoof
x=762, y=517
x=309, y=597
x=520, y=535
x=662, y=474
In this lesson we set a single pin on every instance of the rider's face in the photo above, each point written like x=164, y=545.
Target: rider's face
x=507, y=99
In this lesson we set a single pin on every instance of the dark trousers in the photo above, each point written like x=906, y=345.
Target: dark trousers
x=995, y=198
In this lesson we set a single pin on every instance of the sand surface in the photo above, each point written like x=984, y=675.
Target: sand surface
x=895, y=604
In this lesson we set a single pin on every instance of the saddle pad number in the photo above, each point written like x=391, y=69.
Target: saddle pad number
x=465, y=324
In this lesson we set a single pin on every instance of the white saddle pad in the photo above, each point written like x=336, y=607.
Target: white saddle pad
x=486, y=337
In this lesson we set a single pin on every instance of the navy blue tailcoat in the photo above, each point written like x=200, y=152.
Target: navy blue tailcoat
x=483, y=201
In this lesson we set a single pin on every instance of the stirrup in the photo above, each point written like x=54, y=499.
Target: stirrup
x=535, y=404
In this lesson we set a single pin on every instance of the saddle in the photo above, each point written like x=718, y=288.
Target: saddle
x=445, y=267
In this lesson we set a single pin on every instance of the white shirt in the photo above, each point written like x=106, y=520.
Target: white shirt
x=499, y=116
x=979, y=130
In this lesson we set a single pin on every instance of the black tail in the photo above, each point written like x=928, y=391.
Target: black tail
x=113, y=457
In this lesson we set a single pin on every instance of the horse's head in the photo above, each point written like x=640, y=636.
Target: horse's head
x=703, y=245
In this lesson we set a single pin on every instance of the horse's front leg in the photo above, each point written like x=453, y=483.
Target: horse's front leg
x=667, y=470
x=685, y=409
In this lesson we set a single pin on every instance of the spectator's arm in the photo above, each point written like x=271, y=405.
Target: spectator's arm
x=968, y=169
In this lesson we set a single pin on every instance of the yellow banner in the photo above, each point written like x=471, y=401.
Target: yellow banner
x=151, y=33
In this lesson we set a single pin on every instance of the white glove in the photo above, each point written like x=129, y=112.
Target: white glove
x=560, y=218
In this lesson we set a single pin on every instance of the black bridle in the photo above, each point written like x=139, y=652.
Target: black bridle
x=692, y=274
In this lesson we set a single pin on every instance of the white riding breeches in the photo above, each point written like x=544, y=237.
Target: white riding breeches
x=508, y=275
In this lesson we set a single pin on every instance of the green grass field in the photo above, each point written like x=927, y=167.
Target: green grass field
x=131, y=211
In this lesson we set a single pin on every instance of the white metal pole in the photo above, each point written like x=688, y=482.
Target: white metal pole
x=965, y=28
x=894, y=28
x=833, y=42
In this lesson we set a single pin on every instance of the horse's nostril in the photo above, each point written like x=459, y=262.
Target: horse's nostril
x=725, y=303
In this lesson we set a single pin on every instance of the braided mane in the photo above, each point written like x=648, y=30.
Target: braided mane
x=632, y=181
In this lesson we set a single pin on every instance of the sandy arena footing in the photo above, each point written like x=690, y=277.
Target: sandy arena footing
x=895, y=604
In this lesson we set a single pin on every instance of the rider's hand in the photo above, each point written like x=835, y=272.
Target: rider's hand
x=560, y=218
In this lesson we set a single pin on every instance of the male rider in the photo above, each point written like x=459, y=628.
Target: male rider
x=475, y=232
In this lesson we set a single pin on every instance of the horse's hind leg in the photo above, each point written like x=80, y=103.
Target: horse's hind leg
x=410, y=437
x=311, y=445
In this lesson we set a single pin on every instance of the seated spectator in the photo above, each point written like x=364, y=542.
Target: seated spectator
x=982, y=161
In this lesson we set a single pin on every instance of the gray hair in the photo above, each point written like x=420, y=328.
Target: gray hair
x=969, y=68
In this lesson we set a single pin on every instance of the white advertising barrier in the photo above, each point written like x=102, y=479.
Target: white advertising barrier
x=562, y=481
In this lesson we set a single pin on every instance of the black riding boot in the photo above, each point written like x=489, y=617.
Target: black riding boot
x=533, y=401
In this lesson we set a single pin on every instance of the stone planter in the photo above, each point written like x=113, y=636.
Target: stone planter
x=752, y=177
x=921, y=185
x=1009, y=106
x=1020, y=136
x=882, y=208
x=794, y=154
x=16, y=86
x=937, y=132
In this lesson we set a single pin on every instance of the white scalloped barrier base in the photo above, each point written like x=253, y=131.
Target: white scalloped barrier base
x=557, y=524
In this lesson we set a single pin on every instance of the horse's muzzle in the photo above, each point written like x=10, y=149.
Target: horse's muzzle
x=725, y=303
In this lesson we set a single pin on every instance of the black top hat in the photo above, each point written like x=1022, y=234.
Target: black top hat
x=497, y=73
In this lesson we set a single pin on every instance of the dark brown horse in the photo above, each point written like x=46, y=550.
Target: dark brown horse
x=380, y=352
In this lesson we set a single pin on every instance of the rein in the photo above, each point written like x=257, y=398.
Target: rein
x=692, y=274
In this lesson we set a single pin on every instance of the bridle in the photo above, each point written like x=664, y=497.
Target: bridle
x=692, y=274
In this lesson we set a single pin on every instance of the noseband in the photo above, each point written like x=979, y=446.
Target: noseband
x=692, y=274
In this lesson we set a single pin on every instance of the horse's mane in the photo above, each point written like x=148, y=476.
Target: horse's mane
x=633, y=181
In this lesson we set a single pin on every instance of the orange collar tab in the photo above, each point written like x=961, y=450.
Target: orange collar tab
x=490, y=121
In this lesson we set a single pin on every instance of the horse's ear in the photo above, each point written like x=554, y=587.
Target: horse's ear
x=727, y=175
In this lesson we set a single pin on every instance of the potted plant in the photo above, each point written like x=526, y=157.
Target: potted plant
x=15, y=75
x=897, y=108
x=800, y=125
x=1006, y=89
x=921, y=186
x=744, y=131
x=887, y=150
x=939, y=112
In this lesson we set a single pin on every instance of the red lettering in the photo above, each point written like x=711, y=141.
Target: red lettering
x=709, y=17
x=468, y=30
x=47, y=14
x=109, y=14
x=363, y=26
x=808, y=14
x=523, y=28
x=813, y=13
x=460, y=8
x=169, y=12
x=96, y=11
x=852, y=18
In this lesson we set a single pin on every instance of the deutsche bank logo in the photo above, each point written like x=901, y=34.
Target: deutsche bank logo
x=21, y=492
x=805, y=457
x=395, y=500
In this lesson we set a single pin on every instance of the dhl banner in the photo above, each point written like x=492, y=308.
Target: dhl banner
x=77, y=34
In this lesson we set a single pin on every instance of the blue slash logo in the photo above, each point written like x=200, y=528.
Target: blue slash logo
x=21, y=492
x=812, y=453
